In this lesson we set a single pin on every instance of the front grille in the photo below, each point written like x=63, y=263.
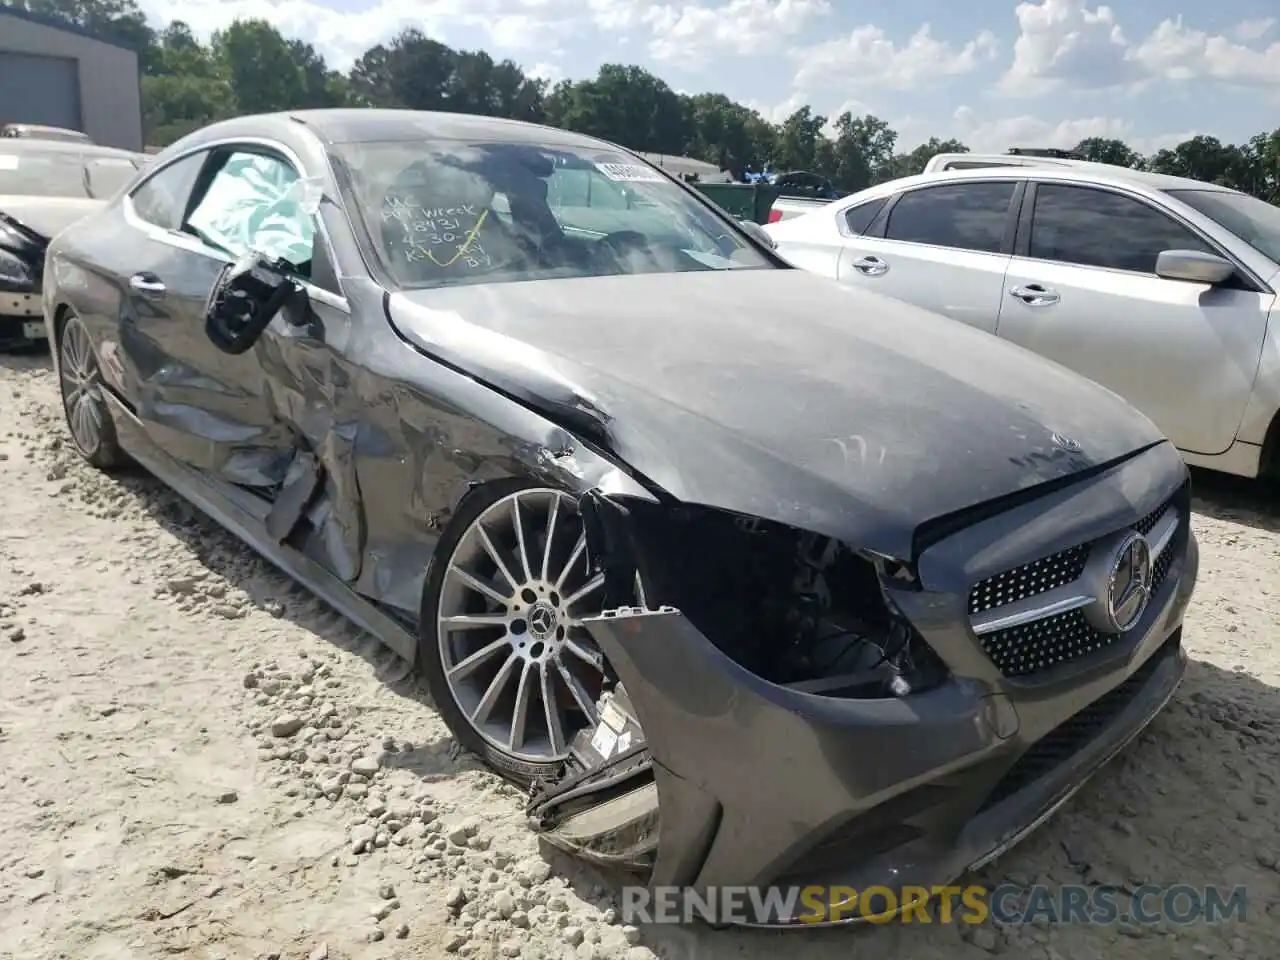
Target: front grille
x=1028, y=580
x=1028, y=648
x=1066, y=740
x=1032, y=647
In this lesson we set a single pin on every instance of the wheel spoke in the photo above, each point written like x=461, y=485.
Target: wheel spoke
x=496, y=557
x=582, y=653
x=467, y=666
x=521, y=549
x=474, y=621
x=579, y=692
x=640, y=596
x=551, y=707
x=520, y=717
x=480, y=586
x=552, y=514
x=94, y=413
x=578, y=549
x=484, y=709
x=595, y=583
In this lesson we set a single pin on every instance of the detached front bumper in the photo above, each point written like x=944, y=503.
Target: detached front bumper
x=759, y=785
x=21, y=319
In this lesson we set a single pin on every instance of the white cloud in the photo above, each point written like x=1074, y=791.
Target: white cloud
x=549, y=72
x=1248, y=30
x=1065, y=44
x=1063, y=41
x=996, y=135
x=740, y=27
x=867, y=58
x=687, y=31
x=342, y=36
x=1177, y=52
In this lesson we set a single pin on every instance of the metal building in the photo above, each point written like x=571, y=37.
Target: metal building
x=60, y=76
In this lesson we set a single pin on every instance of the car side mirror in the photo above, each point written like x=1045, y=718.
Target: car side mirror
x=759, y=233
x=248, y=294
x=1194, y=266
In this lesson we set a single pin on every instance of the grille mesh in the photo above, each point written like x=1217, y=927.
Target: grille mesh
x=1031, y=647
x=1028, y=580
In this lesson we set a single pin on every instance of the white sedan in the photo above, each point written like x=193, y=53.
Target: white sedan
x=1160, y=288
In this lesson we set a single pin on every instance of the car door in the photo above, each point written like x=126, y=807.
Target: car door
x=208, y=408
x=1082, y=290
x=942, y=246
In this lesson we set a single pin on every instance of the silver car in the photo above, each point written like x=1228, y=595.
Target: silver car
x=1160, y=288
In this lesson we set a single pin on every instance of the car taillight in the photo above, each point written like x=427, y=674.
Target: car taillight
x=775, y=216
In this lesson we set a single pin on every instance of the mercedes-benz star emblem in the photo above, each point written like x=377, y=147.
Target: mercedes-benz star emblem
x=542, y=621
x=1129, y=586
x=1063, y=442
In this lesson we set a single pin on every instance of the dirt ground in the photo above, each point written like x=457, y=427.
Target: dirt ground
x=198, y=759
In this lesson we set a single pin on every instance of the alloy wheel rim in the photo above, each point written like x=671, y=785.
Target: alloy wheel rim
x=517, y=660
x=81, y=384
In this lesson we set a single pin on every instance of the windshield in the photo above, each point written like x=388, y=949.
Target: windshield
x=452, y=213
x=62, y=173
x=1254, y=221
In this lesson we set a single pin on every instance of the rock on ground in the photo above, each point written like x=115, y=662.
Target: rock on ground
x=200, y=759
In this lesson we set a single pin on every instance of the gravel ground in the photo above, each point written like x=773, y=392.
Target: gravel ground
x=199, y=759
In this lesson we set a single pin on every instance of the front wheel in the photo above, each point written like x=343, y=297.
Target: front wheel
x=83, y=402
x=502, y=648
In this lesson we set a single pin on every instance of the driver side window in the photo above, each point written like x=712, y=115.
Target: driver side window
x=255, y=202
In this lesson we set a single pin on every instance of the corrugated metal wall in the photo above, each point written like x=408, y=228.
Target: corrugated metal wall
x=64, y=79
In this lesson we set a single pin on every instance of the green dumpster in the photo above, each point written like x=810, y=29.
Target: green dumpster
x=746, y=201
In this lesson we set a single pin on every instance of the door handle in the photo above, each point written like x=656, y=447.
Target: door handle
x=871, y=266
x=146, y=284
x=1034, y=295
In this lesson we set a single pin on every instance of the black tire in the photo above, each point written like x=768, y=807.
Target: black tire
x=102, y=450
x=430, y=667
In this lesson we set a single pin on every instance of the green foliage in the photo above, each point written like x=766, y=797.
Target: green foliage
x=249, y=67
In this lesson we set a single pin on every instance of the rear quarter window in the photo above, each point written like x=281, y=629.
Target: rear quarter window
x=859, y=217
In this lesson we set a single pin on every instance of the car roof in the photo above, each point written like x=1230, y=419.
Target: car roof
x=24, y=145
x=1100, y=173
x=368, y=125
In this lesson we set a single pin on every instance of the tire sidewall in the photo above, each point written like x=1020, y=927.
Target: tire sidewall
x=429, y=664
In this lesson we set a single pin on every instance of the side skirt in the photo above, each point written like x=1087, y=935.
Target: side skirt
x=245, y=516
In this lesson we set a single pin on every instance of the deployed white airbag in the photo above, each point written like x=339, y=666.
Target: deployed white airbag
x=259, y=204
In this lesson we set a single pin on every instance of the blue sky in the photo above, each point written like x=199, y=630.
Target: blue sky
x=990, y=72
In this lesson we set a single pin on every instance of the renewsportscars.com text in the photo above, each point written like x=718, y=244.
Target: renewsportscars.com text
x=1006, y=904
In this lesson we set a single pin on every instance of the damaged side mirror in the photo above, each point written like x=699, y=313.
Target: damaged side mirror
x=248, y=294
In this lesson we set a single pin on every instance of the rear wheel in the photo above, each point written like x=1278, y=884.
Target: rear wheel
x=83, y=403
x=512, y=670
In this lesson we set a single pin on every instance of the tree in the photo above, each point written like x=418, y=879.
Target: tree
x=862, y=152
x=626, y=105
x=265, y=71
x=799, y=139
x=913, y=162
x=1109, y=150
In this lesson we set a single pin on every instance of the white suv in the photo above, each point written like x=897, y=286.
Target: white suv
x=1157, y=287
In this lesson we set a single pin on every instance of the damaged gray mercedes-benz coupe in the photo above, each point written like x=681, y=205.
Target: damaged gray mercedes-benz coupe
x=747, y=578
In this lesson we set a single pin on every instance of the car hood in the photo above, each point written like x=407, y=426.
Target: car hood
x=780, y=394
x=47, y=216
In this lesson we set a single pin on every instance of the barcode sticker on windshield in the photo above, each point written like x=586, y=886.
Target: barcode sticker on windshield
x=8, y=161
x=629, y=173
